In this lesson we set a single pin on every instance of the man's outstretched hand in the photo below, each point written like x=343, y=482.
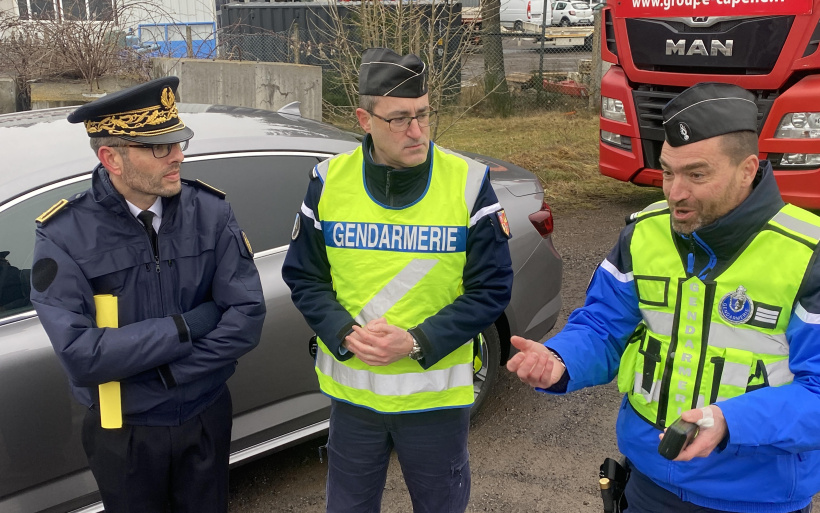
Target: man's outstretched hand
x=534, y=364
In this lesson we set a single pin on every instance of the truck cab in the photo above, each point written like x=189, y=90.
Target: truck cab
x=658, y=48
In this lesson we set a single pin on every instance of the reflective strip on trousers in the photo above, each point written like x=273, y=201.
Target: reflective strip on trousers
x=395, y=384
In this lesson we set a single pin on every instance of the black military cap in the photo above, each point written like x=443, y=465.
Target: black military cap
x=386, y=73
x=707, y=110
x=146, y=113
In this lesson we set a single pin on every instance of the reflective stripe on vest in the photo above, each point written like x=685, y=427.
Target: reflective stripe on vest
x=401, y=264
x=703, y=342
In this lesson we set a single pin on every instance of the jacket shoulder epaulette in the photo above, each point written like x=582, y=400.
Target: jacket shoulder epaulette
x=199, y=184
x=55, y=209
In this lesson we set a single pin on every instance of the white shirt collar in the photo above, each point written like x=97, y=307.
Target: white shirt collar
x=156, y=208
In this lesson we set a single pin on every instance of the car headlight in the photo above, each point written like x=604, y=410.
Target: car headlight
x=612, y=109
x=799, y=125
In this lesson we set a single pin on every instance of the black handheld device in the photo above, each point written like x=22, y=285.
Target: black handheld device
x=677, y=436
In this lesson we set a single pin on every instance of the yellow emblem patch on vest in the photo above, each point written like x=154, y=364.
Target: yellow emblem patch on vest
x=247, y=243
x=48, y=214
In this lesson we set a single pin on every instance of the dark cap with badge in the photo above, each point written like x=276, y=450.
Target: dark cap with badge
x=386, y=73
x=707, y=110
x=146, y=113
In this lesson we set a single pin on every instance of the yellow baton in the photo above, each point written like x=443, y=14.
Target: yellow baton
x=110, y=398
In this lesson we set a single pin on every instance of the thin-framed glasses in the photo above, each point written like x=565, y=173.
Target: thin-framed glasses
x=160, y=151
x=401, y=124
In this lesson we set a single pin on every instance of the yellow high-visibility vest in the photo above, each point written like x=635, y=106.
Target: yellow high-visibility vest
x=403, y=264
x=701, y=342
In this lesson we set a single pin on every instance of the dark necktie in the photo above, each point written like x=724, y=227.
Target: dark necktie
x=147, y=217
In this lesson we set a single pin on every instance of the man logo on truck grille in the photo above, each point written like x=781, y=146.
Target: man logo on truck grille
x=683, y=128
x=699, y=47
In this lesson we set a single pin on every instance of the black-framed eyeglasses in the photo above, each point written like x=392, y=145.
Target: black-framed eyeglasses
x=401, y=124
x=160, y=151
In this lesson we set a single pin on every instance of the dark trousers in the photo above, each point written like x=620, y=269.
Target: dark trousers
x=156, y=469
x=432, y=451
x=644, y=496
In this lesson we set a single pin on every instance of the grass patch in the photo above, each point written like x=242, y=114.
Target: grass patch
x=561, y=148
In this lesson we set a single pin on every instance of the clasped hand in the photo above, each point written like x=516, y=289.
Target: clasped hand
x=379, y=343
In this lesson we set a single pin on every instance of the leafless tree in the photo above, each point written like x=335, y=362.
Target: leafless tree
x=74, y=43
x=432, y=29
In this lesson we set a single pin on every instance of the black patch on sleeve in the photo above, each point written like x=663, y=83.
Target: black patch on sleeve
x=43, y=273
x=182, y=328
x=167, y=378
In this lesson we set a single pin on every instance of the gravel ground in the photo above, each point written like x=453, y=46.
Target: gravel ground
x=529, y=452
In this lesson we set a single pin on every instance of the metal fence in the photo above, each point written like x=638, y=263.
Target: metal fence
x=547, y=73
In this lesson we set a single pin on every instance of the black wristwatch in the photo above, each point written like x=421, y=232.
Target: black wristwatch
x=416, y=354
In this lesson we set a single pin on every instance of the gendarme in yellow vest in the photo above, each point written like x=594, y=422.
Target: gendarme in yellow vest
x=701, y=342
x=401, y=264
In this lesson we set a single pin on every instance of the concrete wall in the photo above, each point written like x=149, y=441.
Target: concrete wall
x=46, y=95
x=261, y=85
x=8, y=95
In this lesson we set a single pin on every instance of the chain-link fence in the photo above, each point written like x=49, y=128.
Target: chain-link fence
x=550, y=72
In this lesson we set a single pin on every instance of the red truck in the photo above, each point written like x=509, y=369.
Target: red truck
x=658, y=48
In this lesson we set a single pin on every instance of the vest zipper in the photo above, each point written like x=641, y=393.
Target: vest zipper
x=690, y=258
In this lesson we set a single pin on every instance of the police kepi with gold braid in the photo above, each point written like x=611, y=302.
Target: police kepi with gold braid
x=146, y=113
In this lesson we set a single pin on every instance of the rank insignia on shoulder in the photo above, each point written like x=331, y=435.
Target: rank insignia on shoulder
x=199, y=184
x=247, y=242
x=48, y=214
x=503, y=223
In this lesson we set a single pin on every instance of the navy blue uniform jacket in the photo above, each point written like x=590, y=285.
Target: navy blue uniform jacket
x=96, y=246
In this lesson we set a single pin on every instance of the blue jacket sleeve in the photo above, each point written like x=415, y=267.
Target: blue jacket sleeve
x=306, y=271
x=791, y=422
x=64, y=301
x=237, y=291
x=594, y=338
x=487, y=280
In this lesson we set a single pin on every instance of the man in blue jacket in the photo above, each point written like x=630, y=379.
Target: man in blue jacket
x=399, y=260
x=188, y=299
x=707, y=309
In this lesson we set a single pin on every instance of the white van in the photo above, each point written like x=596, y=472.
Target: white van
x=514, y=13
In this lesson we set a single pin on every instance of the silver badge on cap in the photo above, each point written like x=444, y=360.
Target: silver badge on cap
x=683, y=128
x=736, y=307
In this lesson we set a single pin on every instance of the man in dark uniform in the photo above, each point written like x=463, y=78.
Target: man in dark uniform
x=399, y=260
x=188, y=300
x=708, y=310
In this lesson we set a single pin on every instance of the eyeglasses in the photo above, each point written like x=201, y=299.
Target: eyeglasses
x=401, y=124
x=160, y=151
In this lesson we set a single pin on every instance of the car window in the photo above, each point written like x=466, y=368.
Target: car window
x=265, y=191
x=559, y=6
x=17, y=236
x=580, y=5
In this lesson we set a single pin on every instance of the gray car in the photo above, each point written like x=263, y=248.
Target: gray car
x=262, y=160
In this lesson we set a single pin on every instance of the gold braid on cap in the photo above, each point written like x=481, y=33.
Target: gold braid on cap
x=126, y=123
